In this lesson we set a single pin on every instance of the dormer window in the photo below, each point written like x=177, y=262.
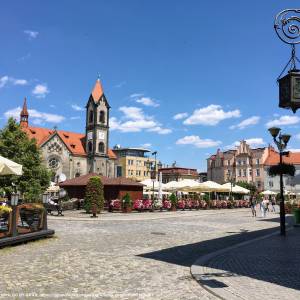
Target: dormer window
x=66, y=136
x=73, y=146
x=102, y=117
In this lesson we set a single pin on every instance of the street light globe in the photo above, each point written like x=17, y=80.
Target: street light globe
x=274, y=131
x=285, y=138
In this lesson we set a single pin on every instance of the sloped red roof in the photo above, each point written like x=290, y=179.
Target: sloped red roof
x=83, y=180
x=97, y=90
x=74, y=141
x=273, y=158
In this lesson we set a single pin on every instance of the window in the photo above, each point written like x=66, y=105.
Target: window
x=257, y=161
x=244, y=162
x=228, y=162
x=239, y=162
x=129, y=172
x=102, y=117
x=250, y=172
x=145, y=173
x=53, y=163
x=245, y=173
x=91, y=116
x=77, y=174
x=240, y=173
x=130, y=162
x=257, y=172
x=138, y=173
x=101, y=147
x=271, y=184
x=90, y=147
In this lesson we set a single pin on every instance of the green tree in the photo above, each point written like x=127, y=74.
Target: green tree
x=173, y=199
x=247, y=185
x=126, y=201
x=94, y=196
x=16, y=146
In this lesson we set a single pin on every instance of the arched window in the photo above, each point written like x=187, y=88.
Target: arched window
x=101, y=147
x=77, y=174
x=90, y=147
x=102, y=117
x=91, y=116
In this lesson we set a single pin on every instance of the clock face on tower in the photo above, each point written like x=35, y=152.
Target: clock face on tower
x=90, y=135
x=101, y=135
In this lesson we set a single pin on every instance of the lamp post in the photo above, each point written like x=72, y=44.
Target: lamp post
x=45, y=199
x=14, y=204
x=281, y=141
x=231, y=179
x=153, y=176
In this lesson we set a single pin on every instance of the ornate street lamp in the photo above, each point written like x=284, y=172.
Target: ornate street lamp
x=287, y=27
x=281, y=141
x=14, y=203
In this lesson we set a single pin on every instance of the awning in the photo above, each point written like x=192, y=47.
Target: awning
x=9, y=167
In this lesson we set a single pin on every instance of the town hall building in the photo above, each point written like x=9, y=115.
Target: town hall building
x=70, y=154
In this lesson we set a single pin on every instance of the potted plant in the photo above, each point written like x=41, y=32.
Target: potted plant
x=173, y=200
x=296, y=212
x=94, y=198
x=126, y=204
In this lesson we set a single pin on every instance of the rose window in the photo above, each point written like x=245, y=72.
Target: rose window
x=53, y=163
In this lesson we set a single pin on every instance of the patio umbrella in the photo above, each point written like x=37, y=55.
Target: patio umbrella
x=9, y=167
x=181, y=185
x=268, y=192
x=149, y=184
x=236, y=188
x=208, y=186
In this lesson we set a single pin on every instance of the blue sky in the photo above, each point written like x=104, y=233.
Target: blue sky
x=182, y=77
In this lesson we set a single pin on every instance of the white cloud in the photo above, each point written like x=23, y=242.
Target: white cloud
x=293, y=149
x=4, y=80
x=135, y=120
x=147, y=101
x=284, y=120
x=31, y=34
x=40, y=90
x=146, y=145
x=246, y=123
x=136, y=95
x=75, y=118
x=297, y=136
x=180, y=116
x=210, y=115
x=36, y=116
x=77, y=107
x=196, y=141
x=119, y=85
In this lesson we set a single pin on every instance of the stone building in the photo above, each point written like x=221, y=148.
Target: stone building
x=70, y=154
x=240, y=164
x=134, y=163
x=178, y=173
x=291, y=184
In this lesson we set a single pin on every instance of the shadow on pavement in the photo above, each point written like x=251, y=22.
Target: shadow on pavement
x=254, y=260
x=186, y=255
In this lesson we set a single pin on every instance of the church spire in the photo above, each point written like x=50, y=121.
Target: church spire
x=97, y=90
x=24, y=115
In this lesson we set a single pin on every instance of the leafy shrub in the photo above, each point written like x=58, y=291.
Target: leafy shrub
x=94, y=194
x=173, y=199
x=126, y=201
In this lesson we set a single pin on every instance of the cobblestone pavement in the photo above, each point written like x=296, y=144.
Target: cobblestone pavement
x=265, y=269
x=146, y=256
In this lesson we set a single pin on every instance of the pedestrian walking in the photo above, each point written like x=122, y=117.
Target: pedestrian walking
x=252, y=201
x=264, y=207
x=273, y=203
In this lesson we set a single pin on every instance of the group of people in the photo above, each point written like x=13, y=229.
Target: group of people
x=264, y=204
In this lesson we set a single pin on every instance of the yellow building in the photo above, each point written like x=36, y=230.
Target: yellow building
x=133, y=163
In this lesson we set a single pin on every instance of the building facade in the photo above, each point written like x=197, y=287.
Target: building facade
x=178, y=174
x=291, y=184
x=134, y=163
x=70, y=154
x=240, y=164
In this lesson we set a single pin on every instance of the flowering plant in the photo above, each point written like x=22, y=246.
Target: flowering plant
x=138, y=204
x=196, y=204
x=203, y=204
x=115, y=204
x=157, y=203
x=188, y=203
x=224, y=204
x=4, y=210
x=181, y=204
x=147, y=203
x=167, y=204
x=218, y=204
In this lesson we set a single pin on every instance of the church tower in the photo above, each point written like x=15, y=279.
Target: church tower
x=97, y=131
x=24, y=115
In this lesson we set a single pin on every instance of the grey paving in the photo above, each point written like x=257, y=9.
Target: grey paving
x=267, y=268
x=137, y=256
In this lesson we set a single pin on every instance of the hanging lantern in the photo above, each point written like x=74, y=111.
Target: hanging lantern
x=287, y=27
x=289, y=90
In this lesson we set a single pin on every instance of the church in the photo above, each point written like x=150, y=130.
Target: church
x=70, y=154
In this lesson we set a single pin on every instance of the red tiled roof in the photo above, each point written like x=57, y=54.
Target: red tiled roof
x=83, y=180
x=74, y=141
x=178, y=170
x=273, y=158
